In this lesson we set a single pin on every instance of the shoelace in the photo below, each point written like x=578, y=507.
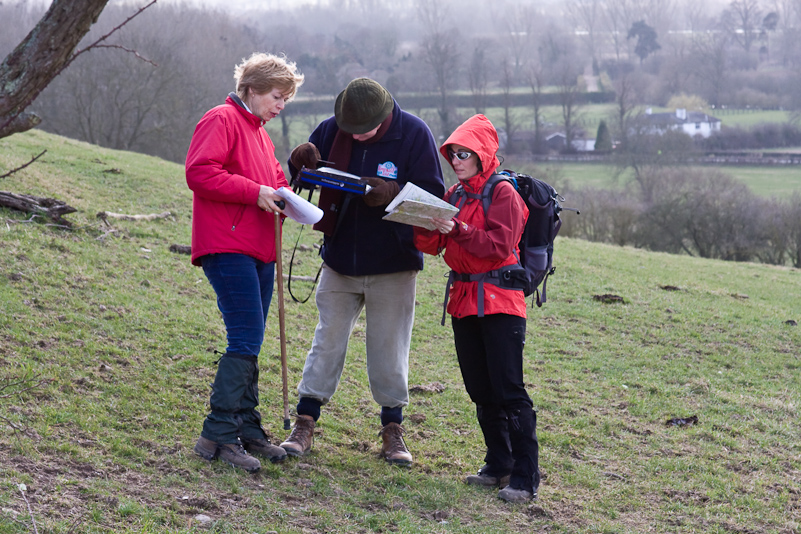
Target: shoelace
x=396, y=443
x=301, y=433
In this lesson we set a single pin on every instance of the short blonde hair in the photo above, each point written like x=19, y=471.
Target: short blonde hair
x=265, y=72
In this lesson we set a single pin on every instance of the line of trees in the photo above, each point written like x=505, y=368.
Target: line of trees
x=467, y=57
x=149, y=101
x=701, y=212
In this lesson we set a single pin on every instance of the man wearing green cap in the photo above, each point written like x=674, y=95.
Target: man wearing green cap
x=368, y=263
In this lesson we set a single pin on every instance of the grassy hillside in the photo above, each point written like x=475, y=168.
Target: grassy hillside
x=106, y=355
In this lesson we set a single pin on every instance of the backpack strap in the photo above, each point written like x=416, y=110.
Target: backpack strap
x=495, y=277
x=489, y=188
x=503, y=278
x=453, y=276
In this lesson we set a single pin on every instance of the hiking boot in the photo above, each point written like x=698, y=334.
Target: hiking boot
x=301, y=439
x=262, y=447
x=516, y=495
x=394, y=449
x=206, y=449
x=231, y=453
x=489, y=481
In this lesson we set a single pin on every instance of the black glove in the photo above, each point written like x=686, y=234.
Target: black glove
x=304, y=155
x=382, y=192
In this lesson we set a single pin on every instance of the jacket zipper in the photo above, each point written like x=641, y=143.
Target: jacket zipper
x=238, y=217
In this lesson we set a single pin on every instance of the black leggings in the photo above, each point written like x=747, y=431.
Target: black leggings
x=490, y=352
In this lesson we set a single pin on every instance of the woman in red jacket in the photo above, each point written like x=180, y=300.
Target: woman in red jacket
x=490, y=334
x=232, y=170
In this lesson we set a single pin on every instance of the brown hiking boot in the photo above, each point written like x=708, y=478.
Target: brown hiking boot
x=265, y=449
x=301, y=439
x=509, y=494
x=394, y=448
x=231, y=453
x=482, y=479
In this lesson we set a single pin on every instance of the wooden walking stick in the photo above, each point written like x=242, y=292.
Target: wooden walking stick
x=279, y=274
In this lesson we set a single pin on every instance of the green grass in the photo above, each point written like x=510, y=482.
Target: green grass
x=113, y=337
x=766, y=181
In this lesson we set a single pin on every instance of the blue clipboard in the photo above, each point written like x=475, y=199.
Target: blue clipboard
x=333, y=179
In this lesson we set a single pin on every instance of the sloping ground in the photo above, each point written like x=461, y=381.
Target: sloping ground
x=106, y=354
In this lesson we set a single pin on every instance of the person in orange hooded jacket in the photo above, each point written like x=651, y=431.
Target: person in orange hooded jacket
x=233, y=173
x=490, y=333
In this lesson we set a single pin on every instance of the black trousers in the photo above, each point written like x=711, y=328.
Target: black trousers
x=490, y=353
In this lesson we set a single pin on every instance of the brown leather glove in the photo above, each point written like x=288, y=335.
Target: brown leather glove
x=382, y=192
x=305, y=155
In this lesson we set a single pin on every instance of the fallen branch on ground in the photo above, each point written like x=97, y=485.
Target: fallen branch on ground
x=105, y=215
x=22, y=488
x=49, y=207
x=26, y=384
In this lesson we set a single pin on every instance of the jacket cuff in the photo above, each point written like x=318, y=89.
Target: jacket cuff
x=458, y=227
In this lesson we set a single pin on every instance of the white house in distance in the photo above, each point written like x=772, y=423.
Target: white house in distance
x=693, y=123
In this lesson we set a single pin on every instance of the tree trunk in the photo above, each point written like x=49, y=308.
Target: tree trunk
x=40, y=57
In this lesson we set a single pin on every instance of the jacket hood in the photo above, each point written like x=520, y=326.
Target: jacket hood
x=478, y=134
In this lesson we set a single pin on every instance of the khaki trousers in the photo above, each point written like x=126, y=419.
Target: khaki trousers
x=388, y=301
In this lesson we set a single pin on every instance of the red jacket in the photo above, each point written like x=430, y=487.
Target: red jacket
x=480, y=242
x=229, y=158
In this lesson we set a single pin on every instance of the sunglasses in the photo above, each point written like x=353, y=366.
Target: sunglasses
x=460, y=155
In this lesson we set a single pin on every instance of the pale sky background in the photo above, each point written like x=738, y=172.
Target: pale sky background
x=227, y=4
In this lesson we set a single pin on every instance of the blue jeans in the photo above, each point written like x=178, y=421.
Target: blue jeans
x=244, y=287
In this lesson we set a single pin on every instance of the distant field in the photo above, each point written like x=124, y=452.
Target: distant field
x=588, y=116
x=765, y=181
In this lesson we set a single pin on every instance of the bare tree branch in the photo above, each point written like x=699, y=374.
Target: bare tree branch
x=12, y=171
x=22, y=382
x=104, y=215
x=97, y=44
x=130, y=51
x=30, y=511
x=46, y=51
x=14, y=427
x=41, y=56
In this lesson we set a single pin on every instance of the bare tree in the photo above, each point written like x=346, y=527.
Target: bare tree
x=742, y=21
x=709, y=65
x=585, y=17
x=509, y=120
x=440, y=46
x=617, y=18
x=568, y=88
x=626, y=108
x=536, y=81
x=478, y=74
x=788, y=42
x=41, y=56
x=124, y=103
x=661, y=14
x=519, y=28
